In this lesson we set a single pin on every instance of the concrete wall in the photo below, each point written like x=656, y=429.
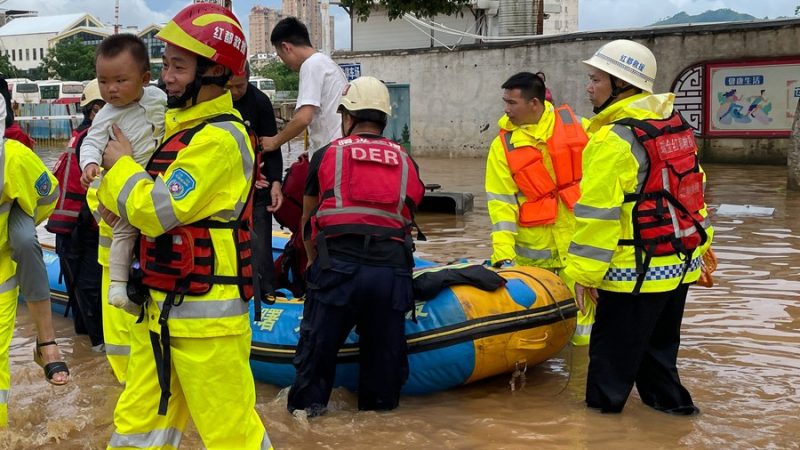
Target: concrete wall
x=456, y=95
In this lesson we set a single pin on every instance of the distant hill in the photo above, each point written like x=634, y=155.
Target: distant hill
x=720, y=15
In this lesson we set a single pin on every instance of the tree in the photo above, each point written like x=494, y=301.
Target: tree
x=71, y=59
x=285, y=79
x=396, y=8
x=40, y=72
x=7, y=70
x=796, y=10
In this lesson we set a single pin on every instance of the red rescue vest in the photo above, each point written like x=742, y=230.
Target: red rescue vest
x=565, y=148
x=368, y=186
x=72, y=195
x=666, y=213
x=182, y=259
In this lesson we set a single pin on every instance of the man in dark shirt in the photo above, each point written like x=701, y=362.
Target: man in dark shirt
x=77, y=251
x=257, y=113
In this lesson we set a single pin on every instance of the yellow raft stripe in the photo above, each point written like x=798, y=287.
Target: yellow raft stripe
x=487, y=323
x=437, y=335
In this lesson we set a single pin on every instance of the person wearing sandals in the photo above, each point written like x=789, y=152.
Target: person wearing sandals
x=28, y=192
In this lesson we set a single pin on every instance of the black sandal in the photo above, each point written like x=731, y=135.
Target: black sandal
x=52, y=368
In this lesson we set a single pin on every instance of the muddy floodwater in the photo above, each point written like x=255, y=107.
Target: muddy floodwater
x=740, y=356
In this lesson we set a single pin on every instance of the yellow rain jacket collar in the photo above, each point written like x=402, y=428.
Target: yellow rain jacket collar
x=185, y=118
x=639, y=106
x=536, y=133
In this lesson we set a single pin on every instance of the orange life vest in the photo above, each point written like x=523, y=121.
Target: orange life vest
x=565, y=148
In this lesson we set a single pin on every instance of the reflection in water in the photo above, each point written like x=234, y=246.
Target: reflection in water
x=740, y=357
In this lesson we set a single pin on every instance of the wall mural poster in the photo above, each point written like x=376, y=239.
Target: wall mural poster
x=752, y=99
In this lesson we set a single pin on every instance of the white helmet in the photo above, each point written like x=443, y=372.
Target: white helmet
x=91, y=93
x=366, y=93
x=627, y=60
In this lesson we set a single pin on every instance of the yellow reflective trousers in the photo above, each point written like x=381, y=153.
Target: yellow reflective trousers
x=225, y=420
x=8, y=314
x=116, y=332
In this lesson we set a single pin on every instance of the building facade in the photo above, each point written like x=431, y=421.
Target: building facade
x=223, y=3
x=262, y=20
x=561, y=16
x=483, y=18
x=28, y=40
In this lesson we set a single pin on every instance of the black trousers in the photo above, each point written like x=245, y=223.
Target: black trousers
x=375, y=300
x=82, y=277
x=262, y=222
x=635, y=340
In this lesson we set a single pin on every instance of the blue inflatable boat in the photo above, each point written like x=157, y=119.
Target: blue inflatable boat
x=462, y=335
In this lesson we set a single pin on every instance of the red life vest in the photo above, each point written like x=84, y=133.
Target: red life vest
x=526, y=164
x=182, y=259
x=368, y=186
x=15, y=132
x=72, y=195
x=666, y=213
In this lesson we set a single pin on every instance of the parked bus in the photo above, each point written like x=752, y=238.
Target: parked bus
x=23, y=90
x=265, y=85
x=60, y=92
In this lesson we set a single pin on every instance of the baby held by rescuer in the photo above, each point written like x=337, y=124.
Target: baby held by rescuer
x=137, y=109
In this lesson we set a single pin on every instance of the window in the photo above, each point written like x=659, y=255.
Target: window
x=73, y=88
x=41, y=53
x=33, y=50
x=48, y=91
x=27, y=55
x=27, y=88
x=13, y=55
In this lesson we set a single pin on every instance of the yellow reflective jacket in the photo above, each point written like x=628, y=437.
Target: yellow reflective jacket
x=611, y=170
x=544, y=245
x=24, y=180
x=212, y=180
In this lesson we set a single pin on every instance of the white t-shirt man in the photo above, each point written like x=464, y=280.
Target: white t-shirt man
x=321, y=84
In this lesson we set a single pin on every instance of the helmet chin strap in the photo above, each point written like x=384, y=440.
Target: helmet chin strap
x=352, y=127
x=193, y=90
x=615, y=91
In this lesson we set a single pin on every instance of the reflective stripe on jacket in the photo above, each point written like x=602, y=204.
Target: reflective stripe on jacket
x=106, y=233
x=26, y=181
x=368, y=186
x=615, y=164
x=542, y=245
x=209, y=179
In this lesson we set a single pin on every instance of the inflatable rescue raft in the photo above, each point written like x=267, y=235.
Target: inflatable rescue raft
x=460, y=336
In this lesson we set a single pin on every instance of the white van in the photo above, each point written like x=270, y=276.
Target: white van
x=265, y=85
x=61, y=92
x=23, y=90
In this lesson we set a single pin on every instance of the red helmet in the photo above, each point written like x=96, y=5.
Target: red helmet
x=210, y=31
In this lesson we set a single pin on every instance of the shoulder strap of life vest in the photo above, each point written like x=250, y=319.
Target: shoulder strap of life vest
x=568, y=128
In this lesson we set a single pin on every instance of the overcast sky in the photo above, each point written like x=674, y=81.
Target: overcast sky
x=594, y=14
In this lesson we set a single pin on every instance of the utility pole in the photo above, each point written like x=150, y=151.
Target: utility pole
x=793, y=160
x=327, y=45
x=116, y=17
x=539, y=5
